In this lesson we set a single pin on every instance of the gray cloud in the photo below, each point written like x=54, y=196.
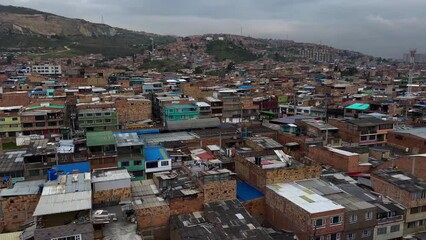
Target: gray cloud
x=379, y=27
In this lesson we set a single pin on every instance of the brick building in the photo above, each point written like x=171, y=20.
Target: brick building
x=264, y=169
x=363, y=131
x=292, y=207
x=343, y=159
x=413, y=140
x=133, y=109
x=407, y=190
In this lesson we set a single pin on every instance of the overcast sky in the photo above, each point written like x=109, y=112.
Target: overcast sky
x=385, y=28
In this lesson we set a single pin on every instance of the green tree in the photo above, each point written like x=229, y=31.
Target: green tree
x=69, y=62
x=198, y=70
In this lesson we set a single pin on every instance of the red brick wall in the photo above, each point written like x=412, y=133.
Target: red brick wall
x=14, y=99
x=405, y=164
x=341, y=162
x=414, y=144
x=184, y=206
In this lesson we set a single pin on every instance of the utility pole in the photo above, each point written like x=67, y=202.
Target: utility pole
x=326, y=119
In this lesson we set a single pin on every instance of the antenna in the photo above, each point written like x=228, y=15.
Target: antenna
x=411, y=72
x=102, y=19
x=241, y=30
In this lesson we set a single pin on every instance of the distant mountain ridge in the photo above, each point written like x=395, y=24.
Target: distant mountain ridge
x=24, y=29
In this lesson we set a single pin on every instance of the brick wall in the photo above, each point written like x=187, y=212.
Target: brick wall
x=259, y=178
x=405, y=164
x=133, y=110
x=153, y=217
x=344, y=133
x=219, y=191
x=256, y=208
x=112, y=195
x=186, y=205
x=18, y=209
x=341, y=162
x=414, y=144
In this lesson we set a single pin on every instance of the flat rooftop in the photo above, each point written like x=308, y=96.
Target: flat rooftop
x=418, y=132
x=110, y=175
x=304, y=198
x=265, y=142
x=154, y=139
x=402, y=180
x=12, y=162
x=127, y=139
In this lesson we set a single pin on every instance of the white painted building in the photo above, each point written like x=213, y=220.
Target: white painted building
x=47, y=69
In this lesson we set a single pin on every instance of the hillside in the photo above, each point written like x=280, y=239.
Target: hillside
x=24, y=29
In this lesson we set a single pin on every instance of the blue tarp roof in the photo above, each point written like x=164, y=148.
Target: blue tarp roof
x=246, y=192
x=82, y=167
x=155, y=153
x=244, y=87
x=142, y=131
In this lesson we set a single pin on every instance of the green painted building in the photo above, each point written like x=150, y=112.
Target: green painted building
x=98, y=119
x=130, y=154
x=179, y=112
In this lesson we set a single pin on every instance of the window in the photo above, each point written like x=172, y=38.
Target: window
x=124, y=164
x=73, y=237
x=353, y=219
x=89, y=114
x=15, y=119
x=2, y=119
x=107, y=114
x=363, y=138
x=372, y=137
x=319, y=238
x=368, y=215
x=414, y=210
x=411, y=225
x=334, y=236
x=107, y=120
x=335, y=220
x=351, y=236
x=318, y=223
x=394, y=228
x=164, y=163
x=39, y=118
x=366, y=233
x=381, y=231
x=89, y=121
x=137, y=163
x=98, y=114
x=80, y=115
x=99, y=121
x=34, y=173
x=40, y=124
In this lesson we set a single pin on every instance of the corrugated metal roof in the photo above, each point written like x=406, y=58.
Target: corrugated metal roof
x=61, y=203
x=22, y=188
x=193, y=124
x=100, y=138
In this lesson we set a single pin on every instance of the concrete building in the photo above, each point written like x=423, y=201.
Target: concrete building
x=216, y=106
x=156, y=160
x=39, y=158
x=179, y=112
x=130, y=154
x=10, y=122
x=153, y=87
x=98, y=119
x=42, y=119
x=292, y=207
x=47, y=69
x=101, y=149
x=205, y=109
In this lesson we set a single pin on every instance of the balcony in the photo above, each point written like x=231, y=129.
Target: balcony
x=388, y=220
